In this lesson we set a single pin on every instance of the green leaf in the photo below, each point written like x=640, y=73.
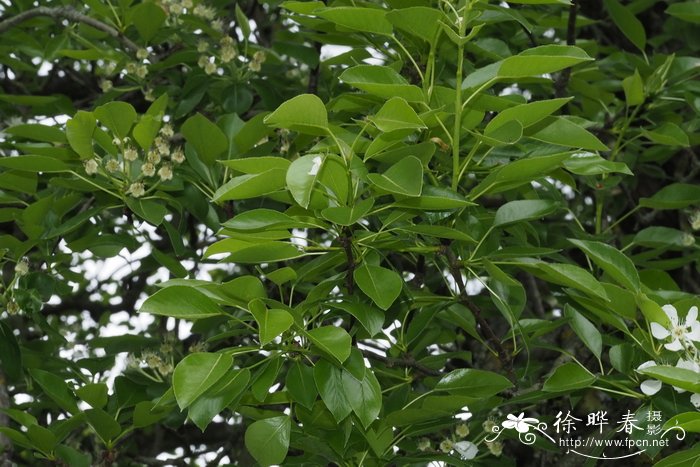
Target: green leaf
x=329, y=381
x=220, y=396
x=687, y=11
x=627, y=22
x=302, y=176
x=181, y=302
x=79, y=130
x=612, y=261
x=56, y=388
x=94, y=394
x=256, y=165
x=146, y=130
x=585, y=330
x=678, y=377
x=243, y=22
x=381, y=81
x=73, y=457
x=333, y=341
x=257, y=220
x=369, y=317
x=518, y=173
x=567, y=275
x=668, y=134
x=588, y=163
x=268, y=440
x=634, y=89
x=146, y=414
x=673, y=196
x=300, y=385
x=434, y=198
x=563, y=132
x=395, y=115
x=540, y=60
x=271, y=323
x=370, y=20
x=42, y=438
x=661, y=237
x=686, y=458
x=196, y=373
x=523, y=210
x=249, y=253
x=526, y=114
x=305, y=114
x=32, y=163
x=207, y=138
x=117, y=116
x=104, y=425
x=38, y=132
x=365, y=396
x=348, y=215
x=251, y=185
x=474, y=383
x=403, y=178
x=148, y=19
x=10, y=355
x=419, y=21
x=568, y=377
x=382, y=285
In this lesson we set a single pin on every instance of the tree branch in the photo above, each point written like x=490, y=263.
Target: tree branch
x=563, y=79
x=405, y=362
x=71, y=14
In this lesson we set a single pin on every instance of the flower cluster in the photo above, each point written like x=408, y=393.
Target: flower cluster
x=132, y=171
x=679, y=336
x=259, y=58
x=464, y=449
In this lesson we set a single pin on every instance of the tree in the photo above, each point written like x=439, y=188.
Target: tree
x=349, y=233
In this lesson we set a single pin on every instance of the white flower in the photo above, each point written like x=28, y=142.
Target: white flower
x=217, y=25
x=202, y=61
x=686, y=365
x=112, y=165
x=520, y=423
x=695, y=220
x=462, y=430
x=141, y=71
x=178, y=156
x=106, y=85
x=446, y=446
x=466, y=449
x=130, y=154
x=259, y=56
x=148, y=169
x=680, y=331
x=90, y=166
x=142, y=54
x=210, y=68
x=137, y=190
x=495, y=447
x=165, y=173
x=318, y=160
x=22, y=267
x=695, y=400
x=153, y=157
x=167, y=130
x=227, y=54
x=423, y=444
x=649, y=386
x=202, y=46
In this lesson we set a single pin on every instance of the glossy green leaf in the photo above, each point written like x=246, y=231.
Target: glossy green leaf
x=678, y=377
x=687, y=11
x=473, y=382
x=267, y=440
x=271, y=323
x=634, y=89
x=329, y=381
x=668, y=134
x=567, y=275
x=673, y=196
x=305, y=114
x=434, y=198
x=563, y=132
x=612, y=261
x=196, y=373
x=37, y=132
x=395, y=115
x=302, y=177
x=251, y=185
x=56, y=388
x=219, y=396
x=568, y=377
x=10, y=354
x=300, y=384
x=148, y=17
x=585, y=330
x=370, y=20
x=419, y=21
x=181, y=302
x=381, y=81
x=403, y=178
x=369, y=317
x=104, y=425
x=588, y=163
x=382, y=285
x=627, y=22
x=79, y=130
x=346, y=215
x=332, y=340
x=32, y=163
x=118, y=116
x=94, y=394
x=145, y=131
x=207, y=138
x=523, y=210
x=364, y=396
x=526, y=114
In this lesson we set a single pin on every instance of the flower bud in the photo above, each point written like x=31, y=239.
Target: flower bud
x=22, y=267
x=462, y=430
x=106, y=85
x=142, y=54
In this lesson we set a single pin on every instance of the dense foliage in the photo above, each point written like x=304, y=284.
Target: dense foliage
x=348, y=232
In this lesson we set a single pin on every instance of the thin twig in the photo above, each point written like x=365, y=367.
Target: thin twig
x=404, y=362
x=455, y=271
x=563, y=79
x=71, y=14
